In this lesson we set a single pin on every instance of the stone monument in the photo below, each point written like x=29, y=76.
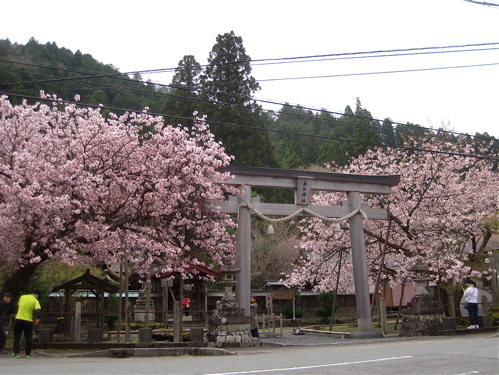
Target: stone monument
x=228, y=324
x=423, y=315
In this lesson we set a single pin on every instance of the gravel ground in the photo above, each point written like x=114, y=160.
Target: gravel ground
x=307, y=338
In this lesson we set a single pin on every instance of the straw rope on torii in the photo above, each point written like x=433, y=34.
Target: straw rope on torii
x=301, y=211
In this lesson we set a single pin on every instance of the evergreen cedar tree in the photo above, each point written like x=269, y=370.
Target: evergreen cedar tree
x=228, y=87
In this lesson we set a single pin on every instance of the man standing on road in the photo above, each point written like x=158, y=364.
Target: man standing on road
x=7, y=298
x=28, y=315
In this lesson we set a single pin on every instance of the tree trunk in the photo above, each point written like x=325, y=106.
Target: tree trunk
x=17, y=281
x=399, y=314
x=494, y=287
x=335, y=293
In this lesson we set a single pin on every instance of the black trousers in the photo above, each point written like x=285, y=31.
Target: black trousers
x=20, y=327
x=3, y=337
x=473, y=313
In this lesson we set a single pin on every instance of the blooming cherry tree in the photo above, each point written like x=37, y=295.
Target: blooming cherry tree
x=73, y=183
x=438, y=213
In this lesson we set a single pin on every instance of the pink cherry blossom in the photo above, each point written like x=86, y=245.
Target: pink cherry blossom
x=73, y=182
x=439, y=215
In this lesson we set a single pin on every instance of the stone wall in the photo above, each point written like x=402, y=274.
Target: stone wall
x=422, y=317
x=228, y=324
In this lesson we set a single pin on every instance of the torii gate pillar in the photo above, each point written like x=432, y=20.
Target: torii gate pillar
x=361, y=283
x=243, y=250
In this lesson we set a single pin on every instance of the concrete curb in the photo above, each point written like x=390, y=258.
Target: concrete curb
x=311, y=338
x=143, y=352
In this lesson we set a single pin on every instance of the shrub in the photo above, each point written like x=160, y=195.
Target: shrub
x=110, y=320
x=326, y=306
x=287, y=311
x=494, y=315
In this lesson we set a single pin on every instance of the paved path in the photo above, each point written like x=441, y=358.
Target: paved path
x=313, y=354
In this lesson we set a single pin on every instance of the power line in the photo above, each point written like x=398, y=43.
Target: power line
x=374, y=56
x=282, y=60
x=375, y=73
x=418, y=50
x=483, y=3
x=199, y=91
x=262, y=129
x=396, y=51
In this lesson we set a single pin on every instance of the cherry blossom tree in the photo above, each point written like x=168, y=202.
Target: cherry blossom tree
x=439, y=214
x=271, y=255
x=74, y=183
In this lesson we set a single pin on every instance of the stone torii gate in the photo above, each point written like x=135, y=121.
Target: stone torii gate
x=304, y=183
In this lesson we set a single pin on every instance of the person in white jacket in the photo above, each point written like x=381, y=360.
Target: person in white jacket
x=471, y=298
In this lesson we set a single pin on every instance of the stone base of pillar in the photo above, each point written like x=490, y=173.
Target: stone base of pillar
x=227, y=334
x=483, y=321
x=140, y=311
x=45, y=336
x=422, y=317
x=145, y=334
x=449, y=324
x=197, y=334
x=95, y=335
x=228, y=324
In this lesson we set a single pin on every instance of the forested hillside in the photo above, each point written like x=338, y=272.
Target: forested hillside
x=293, y=137
x=27, y=69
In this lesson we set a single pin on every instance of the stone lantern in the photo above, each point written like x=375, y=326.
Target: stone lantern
x=228, y=282
x=421, y=277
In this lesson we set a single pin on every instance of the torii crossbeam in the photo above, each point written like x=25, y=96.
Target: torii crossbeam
x=304, y=183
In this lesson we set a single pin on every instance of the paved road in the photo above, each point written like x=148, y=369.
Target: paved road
x=449, y=355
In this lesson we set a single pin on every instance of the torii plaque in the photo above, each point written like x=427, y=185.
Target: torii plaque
x=304, y=183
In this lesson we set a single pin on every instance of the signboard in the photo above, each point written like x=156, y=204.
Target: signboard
x=283, y=294
x=268, y=301
x=303, y=192
x=166, y=283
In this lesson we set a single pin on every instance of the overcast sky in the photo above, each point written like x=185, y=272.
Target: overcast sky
x=143, y=35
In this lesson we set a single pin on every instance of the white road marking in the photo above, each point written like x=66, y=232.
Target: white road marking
x=311, y=367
